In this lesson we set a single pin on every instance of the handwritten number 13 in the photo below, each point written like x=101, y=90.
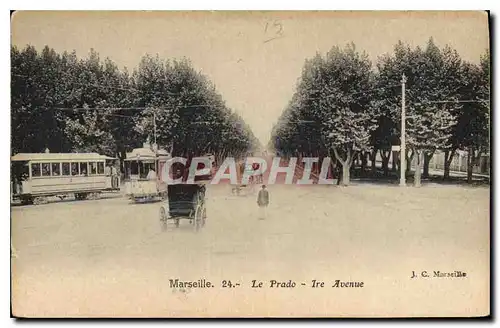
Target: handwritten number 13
x=278, y=27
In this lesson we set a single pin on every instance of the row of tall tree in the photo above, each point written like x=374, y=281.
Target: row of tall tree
x=67, y=104
x=346, y=108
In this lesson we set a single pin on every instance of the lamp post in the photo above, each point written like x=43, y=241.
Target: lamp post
x=402, y=153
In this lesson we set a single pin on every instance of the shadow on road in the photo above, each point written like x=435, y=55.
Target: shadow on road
x=68, y=199
x=392, y=179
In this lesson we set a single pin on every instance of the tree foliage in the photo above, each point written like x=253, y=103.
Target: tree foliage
x=330, y=107
x=353, y=107
x=65, y=104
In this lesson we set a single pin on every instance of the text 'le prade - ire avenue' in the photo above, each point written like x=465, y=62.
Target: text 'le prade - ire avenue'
x=203, y=283
x=312, y=283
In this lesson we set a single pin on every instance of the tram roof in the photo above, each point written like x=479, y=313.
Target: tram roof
x=146, y=153
x=59, y=156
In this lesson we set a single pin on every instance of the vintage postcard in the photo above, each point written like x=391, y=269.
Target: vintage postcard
x=250, y=164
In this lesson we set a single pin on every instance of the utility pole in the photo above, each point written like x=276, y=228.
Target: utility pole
x=154, y=126
x=155, y=147
x=402, y=152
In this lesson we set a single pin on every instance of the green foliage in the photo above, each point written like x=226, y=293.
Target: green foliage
x=433, y=76
x=35, y=125
x=70, y=104
x=330, y=107
x=346, y=101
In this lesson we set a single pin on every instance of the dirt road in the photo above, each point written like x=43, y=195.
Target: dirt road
x=111, y=258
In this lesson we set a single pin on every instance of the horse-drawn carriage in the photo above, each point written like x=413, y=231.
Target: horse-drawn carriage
x=186, y=200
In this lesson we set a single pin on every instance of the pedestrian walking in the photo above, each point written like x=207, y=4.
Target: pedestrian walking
x=263, y=202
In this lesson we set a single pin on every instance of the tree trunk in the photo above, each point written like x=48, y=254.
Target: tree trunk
x=469, y=164
x=427, y=160
x=337, y=171
x=364, y=161
x=409, y=158
x=346, y=165
x=418, y=164
x=394, y=161
x=476, y=159
x=385, y=161
x=122, y=155
x=346, y=175
x=448, y=156
x=373, y=157
x=352, y=166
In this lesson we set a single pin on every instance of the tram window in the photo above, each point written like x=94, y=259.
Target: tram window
x=35, y=169
x=46, y=169
x=56, y=169
x=93, y=168
x=74, y=168
x=65, y=169
x=84, y=168
x=144, y=168
x=134, y=168
x=100, y=167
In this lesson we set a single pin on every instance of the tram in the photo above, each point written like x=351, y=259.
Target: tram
x=36, y=176
x=143, y=173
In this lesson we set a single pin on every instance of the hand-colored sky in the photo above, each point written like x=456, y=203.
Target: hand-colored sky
x=254, y=58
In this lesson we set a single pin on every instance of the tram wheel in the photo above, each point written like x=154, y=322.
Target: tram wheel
x=40, y=200
x=80, y=196
x=95, y=195
x=28, y=200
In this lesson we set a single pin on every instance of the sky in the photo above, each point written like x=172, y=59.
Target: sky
x=254, y=58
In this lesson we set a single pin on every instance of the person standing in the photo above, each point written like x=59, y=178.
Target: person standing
x=107, y=173
x=151, y=174
x=114, y=177
x=107, y=170
x=263, y=202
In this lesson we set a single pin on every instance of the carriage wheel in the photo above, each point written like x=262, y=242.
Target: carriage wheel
x=163, y=219
x=204, y=216
x=198, y=217
x=163, y=214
